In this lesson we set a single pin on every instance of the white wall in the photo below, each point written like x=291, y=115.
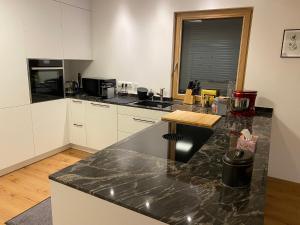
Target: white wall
x=132, y=41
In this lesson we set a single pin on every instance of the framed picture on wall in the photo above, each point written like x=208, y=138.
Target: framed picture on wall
x=291, y=43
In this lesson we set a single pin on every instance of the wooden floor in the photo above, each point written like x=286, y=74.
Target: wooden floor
x=26, y=187
x=283, y=203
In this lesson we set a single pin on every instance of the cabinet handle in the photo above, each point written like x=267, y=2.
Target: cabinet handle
x=100, y=105
x=47, y=68
x=144, y=121
x=77, y=125
x=77, y=101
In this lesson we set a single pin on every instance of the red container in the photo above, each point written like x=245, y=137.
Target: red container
x=250, y=110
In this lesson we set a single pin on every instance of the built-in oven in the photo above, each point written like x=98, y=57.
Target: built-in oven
x=46, y=79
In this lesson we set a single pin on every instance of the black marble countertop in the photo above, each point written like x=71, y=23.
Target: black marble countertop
x=130, y=99
x=179, y=193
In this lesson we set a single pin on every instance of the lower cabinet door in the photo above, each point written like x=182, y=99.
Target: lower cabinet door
x=77, y=134
x=50, y=127
x=101, y=125
x=16, y=143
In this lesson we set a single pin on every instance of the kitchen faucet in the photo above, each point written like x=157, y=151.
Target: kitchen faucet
x=161, y=94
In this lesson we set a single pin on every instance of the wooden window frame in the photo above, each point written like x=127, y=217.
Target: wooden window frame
x=245, y=13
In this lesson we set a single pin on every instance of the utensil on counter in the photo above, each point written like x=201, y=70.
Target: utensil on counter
x=237, y=168
x=196, y=88
x=190, y=85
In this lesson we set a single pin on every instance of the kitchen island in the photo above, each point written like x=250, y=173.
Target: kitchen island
x=127, y=183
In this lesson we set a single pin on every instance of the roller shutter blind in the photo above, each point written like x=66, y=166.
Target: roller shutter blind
x=210, y=52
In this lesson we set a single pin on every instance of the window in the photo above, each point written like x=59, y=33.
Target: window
x=211, y=47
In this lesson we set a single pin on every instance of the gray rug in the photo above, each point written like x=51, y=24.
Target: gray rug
x=39, y=214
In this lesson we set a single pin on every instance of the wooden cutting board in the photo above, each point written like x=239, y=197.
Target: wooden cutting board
x=191, y=118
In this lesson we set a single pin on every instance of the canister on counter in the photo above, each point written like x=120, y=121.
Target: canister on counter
x=237, y=168
x=220, y=105
x=207, y=97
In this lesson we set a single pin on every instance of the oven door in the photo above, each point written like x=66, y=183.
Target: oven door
x=46, y=84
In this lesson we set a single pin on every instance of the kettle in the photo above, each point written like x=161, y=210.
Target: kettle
x=71, y=87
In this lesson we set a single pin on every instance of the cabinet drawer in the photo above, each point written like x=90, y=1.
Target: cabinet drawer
x=77, y=111
x=138, y=112
x=133, y=124
x=77, y=134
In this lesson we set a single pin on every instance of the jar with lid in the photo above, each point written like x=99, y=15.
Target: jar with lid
x=237, y=168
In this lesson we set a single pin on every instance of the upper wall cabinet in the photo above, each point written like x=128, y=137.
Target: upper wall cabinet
x=57, y=30
x=14, y=89
x=84, y=4
x=76, y=25
x=42, y=26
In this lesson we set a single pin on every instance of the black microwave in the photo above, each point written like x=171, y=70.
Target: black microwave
x=98, y=87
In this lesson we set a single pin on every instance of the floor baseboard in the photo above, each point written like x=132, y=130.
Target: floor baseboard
x=282, y=181
x=33, y=160
x=83, y=148
x=43, y=156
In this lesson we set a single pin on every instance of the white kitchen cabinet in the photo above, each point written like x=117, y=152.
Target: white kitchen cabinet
x=133, y=124
x=43, y=29
x=16, y=143
x=77, y=133
x=145, y=113
x=74, y=207
x=50, y=127
x=101, y=125
x=132, y=120
x=76, y=24
x=14, y=89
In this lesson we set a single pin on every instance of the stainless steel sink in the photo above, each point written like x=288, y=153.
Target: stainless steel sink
x=156, y=104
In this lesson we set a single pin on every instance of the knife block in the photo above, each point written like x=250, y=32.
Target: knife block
x=188, y=97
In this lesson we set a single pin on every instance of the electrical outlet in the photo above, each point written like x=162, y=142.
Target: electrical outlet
x=131, y=86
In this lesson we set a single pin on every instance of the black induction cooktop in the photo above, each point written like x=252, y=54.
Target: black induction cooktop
x=173, y=141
